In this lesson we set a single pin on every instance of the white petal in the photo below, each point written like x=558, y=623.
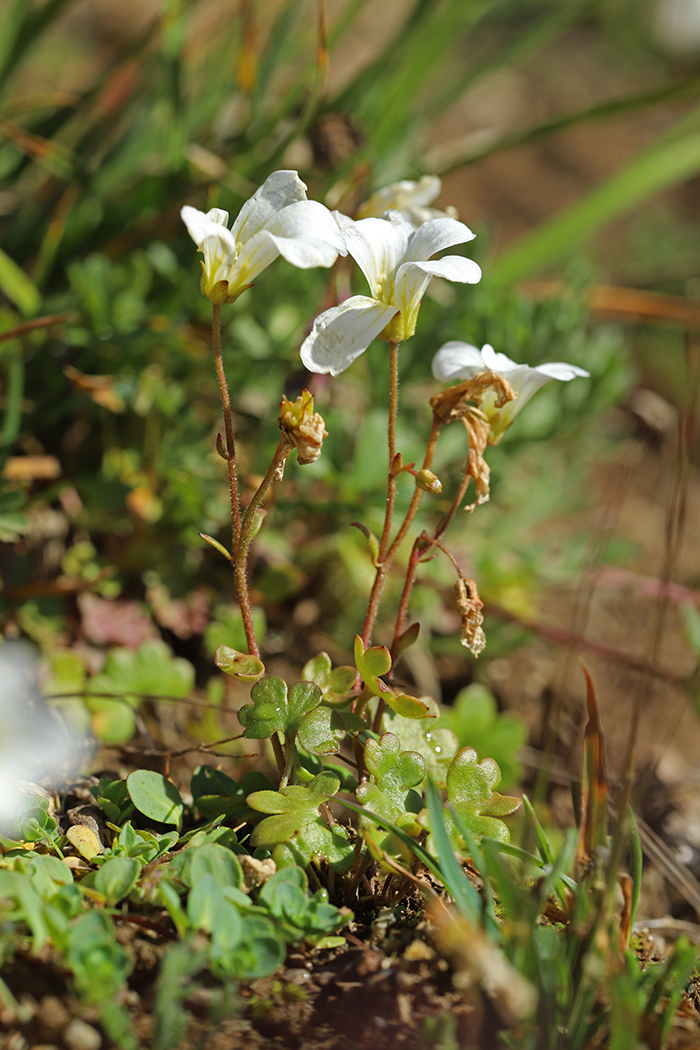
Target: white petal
x=561, y=370
x=341, y=334
x=456, y=360
x=254, y=256
x=307, y=234
x=435, y=235
x=219, y=255
x=278, y=191
x=198, y=224
x=218, y=215
x=413, y=277
x=402, y=196
x=378, y=246
x=497, y=362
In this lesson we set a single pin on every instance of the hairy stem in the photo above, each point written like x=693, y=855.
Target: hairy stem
x=378, y=586
x=387, y=561
x=391, y=477
x=246, y=535
x=228, y=428
x=418, y=547
x=230, y=449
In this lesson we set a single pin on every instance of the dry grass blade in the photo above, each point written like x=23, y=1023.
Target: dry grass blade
x=594, y=800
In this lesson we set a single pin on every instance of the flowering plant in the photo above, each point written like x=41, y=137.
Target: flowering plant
x=362, y=712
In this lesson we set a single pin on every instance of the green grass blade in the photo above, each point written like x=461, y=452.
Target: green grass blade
x=453, y=155
x=490, y=922
x=636, y=863
x=446, y=869
x=542, y=841
x=17, y=286
x=556, y=241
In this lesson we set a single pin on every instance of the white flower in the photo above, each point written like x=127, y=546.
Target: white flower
x=457, y=360
x=394, y=259
x=35, y=741
x=277, y=220
x=410, y=198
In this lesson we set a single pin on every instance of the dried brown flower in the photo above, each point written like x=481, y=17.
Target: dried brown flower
x=463, y=402
x=303, y=427
x=469, y=605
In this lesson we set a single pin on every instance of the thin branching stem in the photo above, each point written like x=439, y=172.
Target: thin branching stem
x=378, y=586
x=418, y=548
x=388, y=560
x=230, y=449
x=247, y=532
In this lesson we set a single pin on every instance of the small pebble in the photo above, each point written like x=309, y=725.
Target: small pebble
x=79, y=1035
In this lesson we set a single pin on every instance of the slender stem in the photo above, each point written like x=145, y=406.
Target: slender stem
x=228, y=428
x=456, y=504
x=289, y=753
x=387, y=561
x=393, y=412
x=279, y=753
x=240, y=577
x=246, y=535
x=382, y=566
x=402, y=613
x=418, y=548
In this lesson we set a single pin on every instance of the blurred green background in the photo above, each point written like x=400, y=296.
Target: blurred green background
x=567, y=135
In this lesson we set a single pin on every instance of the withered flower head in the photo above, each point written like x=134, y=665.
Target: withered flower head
x=469, y=605
x=464, y=402
x=303, y=427
x=456, y=360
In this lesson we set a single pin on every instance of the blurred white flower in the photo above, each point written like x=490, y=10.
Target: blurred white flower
x=410, y=198
x=394, y=259
x=277, y=220
x=677, y=26
x=456, y=360
x=35, y=743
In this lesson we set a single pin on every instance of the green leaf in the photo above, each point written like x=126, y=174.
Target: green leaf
x=393, y=771
x=275, y=709
x=214, y=794
x=322, y=731
x=117, y=878
x=371, y=540
x=155, y=796
x=437, y=745
x=299, y=915
x=336, y=684
x=258, y=952
x=241, y=665
x=471, y=790
x=406, y=640
x=296, y=824
x=217, y=862
x=392, y=775
x=371, y=663
x=204, y=903
x=477, y=722
x=407, y=706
